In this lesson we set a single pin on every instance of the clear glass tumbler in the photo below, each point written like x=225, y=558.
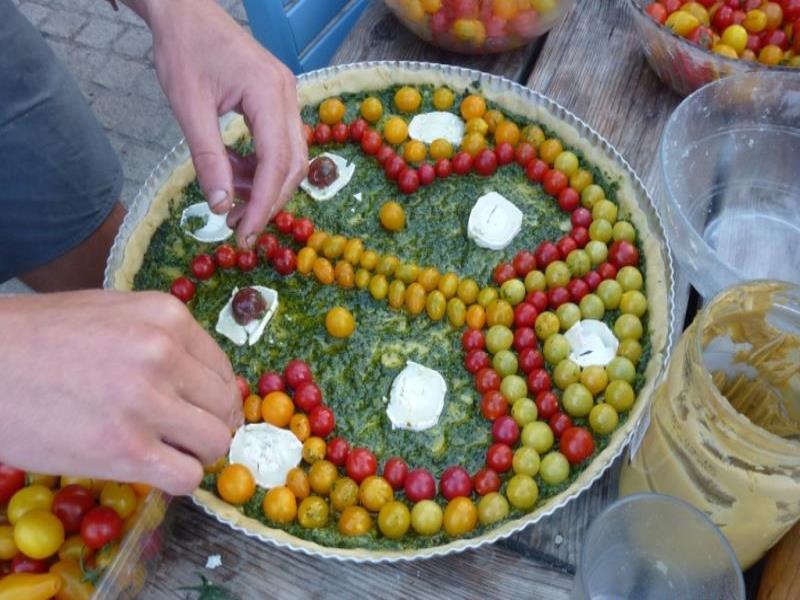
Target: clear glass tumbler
x=654, y=547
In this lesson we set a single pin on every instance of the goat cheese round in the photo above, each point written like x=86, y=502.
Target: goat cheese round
x=269, y=452
x=430, y=126
x=215, y=227
x=494, y=221
x=252, y=332
x=416, y=399
x=591, y=343
x=345, y=173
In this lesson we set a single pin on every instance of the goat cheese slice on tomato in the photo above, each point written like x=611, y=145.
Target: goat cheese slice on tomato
x=430, y=126
x=268, y=452
x=252, y=332
x=416, y=399
x=494, y=221
x=345, y=172
x=591, y=343
x=215, y=227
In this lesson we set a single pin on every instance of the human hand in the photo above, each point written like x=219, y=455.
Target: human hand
x=114, y=385
x=208, y=65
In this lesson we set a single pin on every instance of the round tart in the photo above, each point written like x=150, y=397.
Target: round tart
x=450, y=331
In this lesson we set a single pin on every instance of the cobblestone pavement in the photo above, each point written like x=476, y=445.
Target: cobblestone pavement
x=110, y=55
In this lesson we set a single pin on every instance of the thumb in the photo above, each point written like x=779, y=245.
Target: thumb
x=199, y=120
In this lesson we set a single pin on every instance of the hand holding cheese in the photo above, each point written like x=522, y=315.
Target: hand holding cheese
x=112, y=385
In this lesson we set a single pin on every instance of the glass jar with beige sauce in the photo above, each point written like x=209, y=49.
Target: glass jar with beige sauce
x=724, y=431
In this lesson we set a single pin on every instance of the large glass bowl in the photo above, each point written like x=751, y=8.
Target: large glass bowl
x=479, y=26
x=730, y=157
x=681, y=64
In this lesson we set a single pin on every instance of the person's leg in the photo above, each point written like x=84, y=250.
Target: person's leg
x=60, y=179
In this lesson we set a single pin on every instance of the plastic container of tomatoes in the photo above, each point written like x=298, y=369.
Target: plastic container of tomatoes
x=680, y=63
x=139, y=551
x=479, y=26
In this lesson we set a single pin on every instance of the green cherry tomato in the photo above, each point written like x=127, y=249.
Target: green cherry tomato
x=556, y=348
x=538, y=436
x=513, y=387
x=603, y=418
x=492, y=508
x=487, y=295
x=426, y=517
x=557, y=274
x=579, y=262
x=566, y=373
x=597, y=252
x=619, y=394
x=525, y=461
x=546, y=324
x=524, y=411
x=600, y=230
x=568, y=314
x=633, y=302
x=630, y=349
x=522, y=491
x=499, y=337
x=394, y=519
x=513, y=291
x=630, y=278
x=621, y=368
x=624, y=231
x=591, y=195
x=605, y=209
x=554, y=468
x=628, y=326
x=577, y=400
x=610, y=293
x=505, y=363
x=535, y=281
x=592, y=307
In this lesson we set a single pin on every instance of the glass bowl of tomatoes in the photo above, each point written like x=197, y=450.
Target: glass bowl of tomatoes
x=729, y=162
x=690, y=43
x=479, y=26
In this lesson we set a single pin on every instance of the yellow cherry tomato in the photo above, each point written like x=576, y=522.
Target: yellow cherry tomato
x=314, y=449
x=48, y=481
x=431, y=6
x=477, y=124
x=353, y=250
x=277, y=409
x=73, y=583
x=395, y=130
x=441, y=148
x=236, y=484
x=407, y=99
x=74, y=548
x=460, y=516
x=300, y=426
x=354, y=521
x=443, y=98
x=297, y=481
x=331, y=111
x=344, y=274
x=280, y=505
x=770, y=55
x=414, y=151
x=313, y=512
x=549, y=150
x=321, y=476
x=30, y=586
x=505, y=9
x=735, y=36
x=8, y=548
x=473, y=142
x=340, y=322
x=38, y=534
x=682, y=22
x=428, y=278
x=252, y=408
x=120, y=497
x=33, y=497
x=755, y=21
x=323, y=270
x=724, y=50
x=392, y=216
x=83, y=481
x=472, y=106
x=305, y=260
x=371, y=109
x=470, y=30
x=507, y=131
x=415, y=298
x=698, y=11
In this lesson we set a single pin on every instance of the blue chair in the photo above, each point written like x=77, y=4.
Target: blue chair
x=304, y=34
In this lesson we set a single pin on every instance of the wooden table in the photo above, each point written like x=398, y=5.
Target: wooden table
x=592, y=65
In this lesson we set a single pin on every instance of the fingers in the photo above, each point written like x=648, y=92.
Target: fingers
x=200, y=387
x=173, y=471
x=197, y=115
x=193, y=430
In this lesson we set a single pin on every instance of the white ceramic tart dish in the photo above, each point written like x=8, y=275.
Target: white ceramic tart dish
x=175, y=171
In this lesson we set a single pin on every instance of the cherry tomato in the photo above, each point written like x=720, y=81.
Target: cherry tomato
x=426, y=174
x=475, y=360
x=340, y=132
x=38, y=534
x=538, y=299
x=577, y=444
x=487, y=379
x=395, y=472
x=530, y=359
x=370, y=141
x=524, y=337
x=557, y=296
x=285, y=261
x=486, y=481
x=443, y=168
x=183, y=289
x=607, y=271
x=525, y=315
x=358, y=128
x=408, y=180
x=393, y=166
x=545, y=253
x=284, y=221
x=503, y=272
x=270, y=382
x=308, y=133
x=559, y=423
x=581, y=217
x=360, y=464
x=623, y=254
x=455, y=481
x=524, y=153
x=302, y=230
x=11, y=480
x=554, y=182
x=384, y=153
x=524, y=262
x=100, y=526
x=536, y=170
x=539, y=381
x=338, y=451
x=499, y=457
x=580, y=235
x=485, y=162
x=322, y=133
x=246, y=260
x=70, y=504
x=472, y=339
x=493, y=405
x=505, y=430
x=504, y=152
x=307, y=396
x=657, y=12
x=26, y=564
x=296, y=372
x=568, y=198
x=322, y=421
x=577, y=289
x=203, y=266
x=566, y=245
x=546, y=403
x=462, y=163
x=592, y=279
x=419, y=485
x=225, y=256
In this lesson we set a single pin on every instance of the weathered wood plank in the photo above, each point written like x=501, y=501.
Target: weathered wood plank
x=252, y=569
x=380, y=36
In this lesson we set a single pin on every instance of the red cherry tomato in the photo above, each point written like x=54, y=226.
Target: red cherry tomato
x=566, y=245
x=370, y=141
x=537, y=299
x=568, y=199
x=455, y=481
x=559, y=423
x=581, y=217
x=546, y=404
x=384, y=153
x=592, y=279
x=357, y=129
x=487, y=379
x=203, y=266
x=11, y=480
x=485, y=162
x=443, y=168
x=505, y=430
x=499, y=457
x=267, y=246
x=337, y=451
x=539, y=381
x=524, y=337
x=493, y=405
x=246, y=260
x=70, y=504
x=307, y=396
x=607, y=271
x=462, y=163
x=577, y=444
x=322, y=133
x=308, y=133
x=503, y=272
x=524, y=262
x=340, y=132
x=302, y=228
x=577, y=289
x=296, y=372
x=408, y=180
x=530, y=359
x=395, y=472
x=426, y=174
x=244, y=387
x=393, y=166
x=554, y=182
x=472, y=339
x=475, y=360
x=536, y=170
x=322, y=421
x=419, y=485
x=284, y=221
x=545, y=253
x=722, y=18
x=657, y=12
x=580, y=235
x=360, y=464
x=623, y=254
x=183, y=289
x=25, y=564
x=557, y=296
x=270, y=382
x=525, y=315
x=285, y=261
x=524, y=153
x=100, y=526
x=504, y=152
